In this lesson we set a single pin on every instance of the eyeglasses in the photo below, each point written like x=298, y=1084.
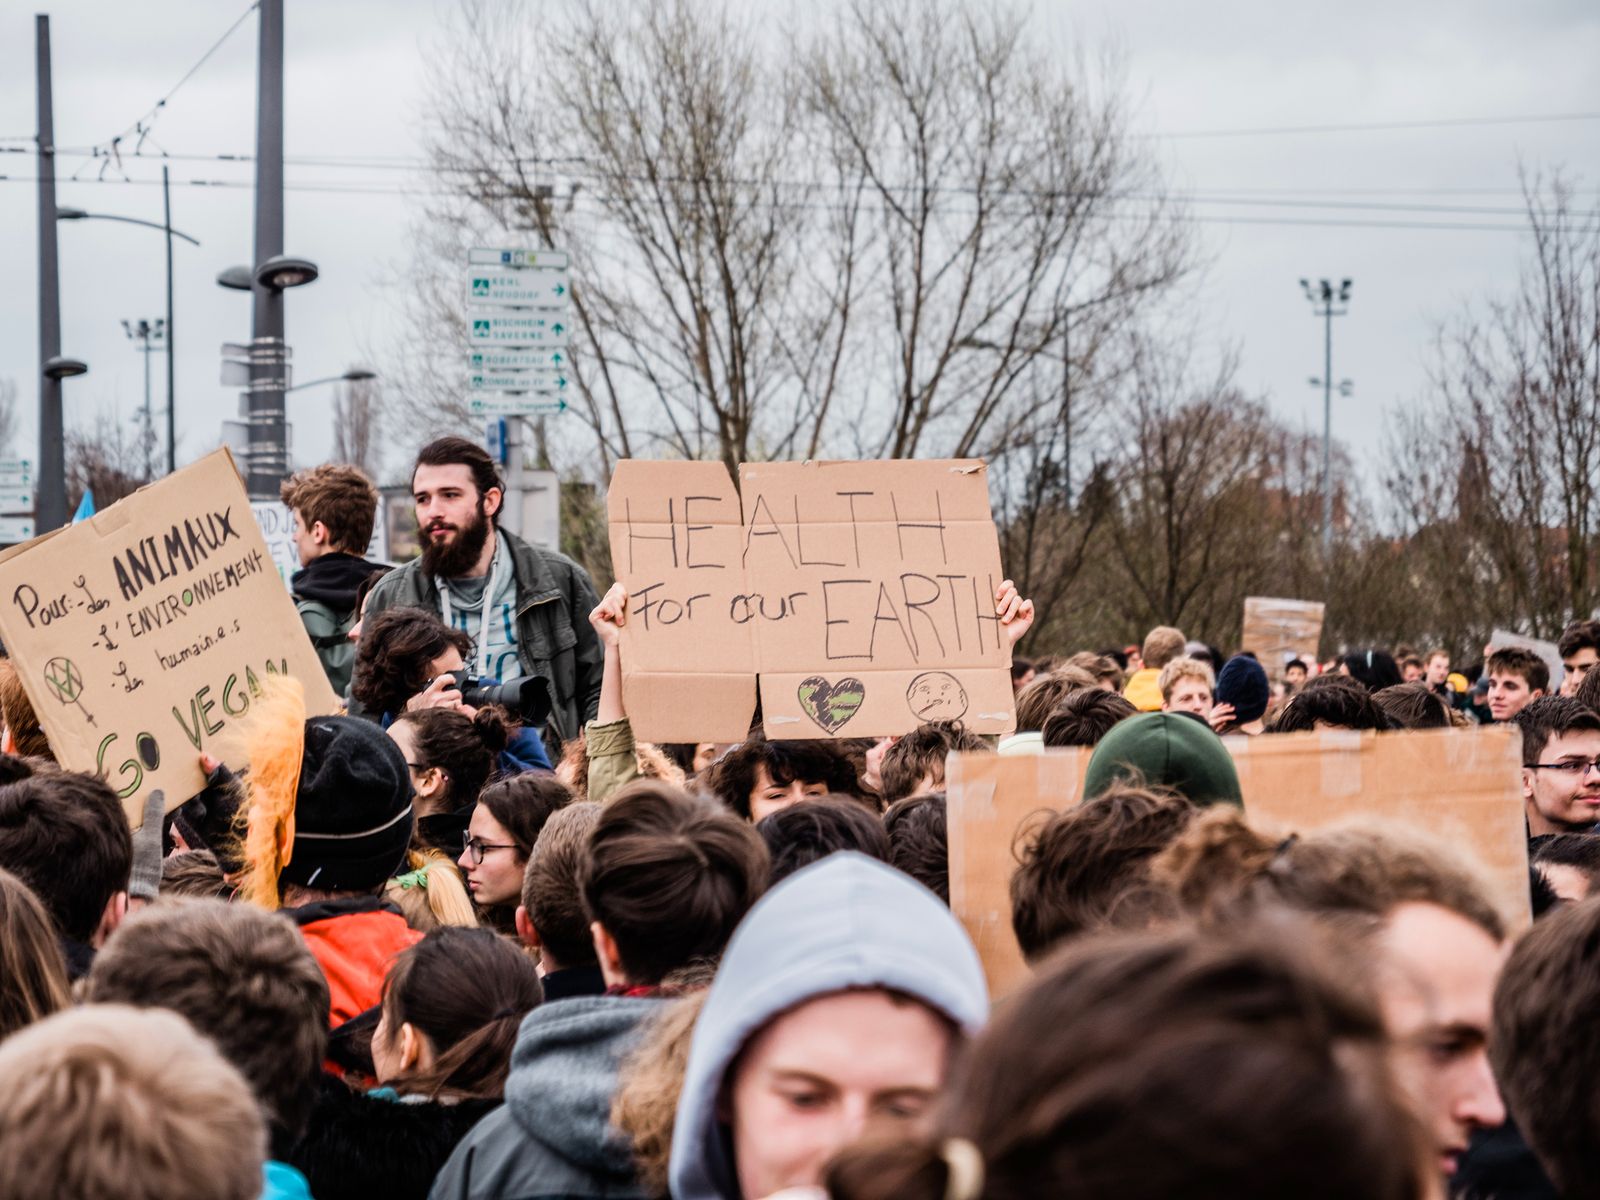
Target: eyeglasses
x=1574, y=768
x=477, y=847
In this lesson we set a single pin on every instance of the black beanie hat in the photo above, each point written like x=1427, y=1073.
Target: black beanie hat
x=1243, y=684
x=352, y=811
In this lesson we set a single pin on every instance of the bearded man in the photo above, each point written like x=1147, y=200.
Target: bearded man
x=526, y=609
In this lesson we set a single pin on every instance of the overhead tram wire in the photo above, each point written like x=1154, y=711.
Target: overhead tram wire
x=360, y=189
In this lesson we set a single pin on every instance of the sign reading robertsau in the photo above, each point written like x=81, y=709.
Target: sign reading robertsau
x=1276, y=631
x=142, y=634
x=859, y=594
x=1463, y=787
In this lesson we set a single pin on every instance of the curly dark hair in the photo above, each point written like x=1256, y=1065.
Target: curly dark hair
x=732, y=777
x=394, y=653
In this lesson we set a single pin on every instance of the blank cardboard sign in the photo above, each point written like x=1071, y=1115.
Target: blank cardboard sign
x=142, y=634
x=1462, y=786
x=1277, y=630
x=858, y=596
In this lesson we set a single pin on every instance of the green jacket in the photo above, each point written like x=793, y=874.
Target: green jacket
x=554, y=638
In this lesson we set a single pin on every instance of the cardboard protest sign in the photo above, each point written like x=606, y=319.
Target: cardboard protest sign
x=142, y=634
x=1276, y=631
x=857, y=596
x=1464, y=787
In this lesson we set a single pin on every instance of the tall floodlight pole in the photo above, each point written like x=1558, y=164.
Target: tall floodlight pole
x=1327, y=303
x=268, y=362
x=51, y=511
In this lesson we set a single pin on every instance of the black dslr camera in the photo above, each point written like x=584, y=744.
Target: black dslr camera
x=527, y=697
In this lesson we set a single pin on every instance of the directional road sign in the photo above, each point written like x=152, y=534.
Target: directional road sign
x=501, y=404
x=517, y=360
x=517, y=329
x=550, y=382
x=16, y=500
x=18, y=472
x=495, y=256
x=526, y=287
x=16, y=529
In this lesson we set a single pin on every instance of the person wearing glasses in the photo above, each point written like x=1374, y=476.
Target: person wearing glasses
x=1560, y=765
x=499, y=839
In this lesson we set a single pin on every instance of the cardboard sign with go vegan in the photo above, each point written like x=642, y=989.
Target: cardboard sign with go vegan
x=142, y=634
x=856, y=597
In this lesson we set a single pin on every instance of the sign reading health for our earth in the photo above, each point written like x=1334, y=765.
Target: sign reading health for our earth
x=856, y=597
x=143, y=634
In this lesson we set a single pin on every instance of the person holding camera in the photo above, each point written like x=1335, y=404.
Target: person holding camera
x=410, y=662
x=522, y=607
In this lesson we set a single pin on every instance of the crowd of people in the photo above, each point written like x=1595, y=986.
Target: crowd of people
x=472, y=940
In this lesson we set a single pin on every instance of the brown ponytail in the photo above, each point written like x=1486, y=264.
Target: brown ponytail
x=467, y=991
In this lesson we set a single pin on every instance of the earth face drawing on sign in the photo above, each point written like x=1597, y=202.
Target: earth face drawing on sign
x=848, y=599
x=831, y=705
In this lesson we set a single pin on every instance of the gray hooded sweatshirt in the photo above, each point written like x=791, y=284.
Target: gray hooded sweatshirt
x=846, y=922
x=553, y=1138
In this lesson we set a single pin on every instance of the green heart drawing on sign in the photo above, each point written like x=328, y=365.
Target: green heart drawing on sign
x=831, y=705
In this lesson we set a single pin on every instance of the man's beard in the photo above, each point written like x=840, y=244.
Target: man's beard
x=454, y=558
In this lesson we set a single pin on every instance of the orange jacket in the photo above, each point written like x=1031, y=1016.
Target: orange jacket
x=353, y=941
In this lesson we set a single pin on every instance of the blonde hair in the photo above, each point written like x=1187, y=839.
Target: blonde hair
x=572, y=768
x=430, y=892
x=33, y=976
x=108, y=1102
x=646, y=1104
x=27, y=738
x=1181, y=668
x=275, y=733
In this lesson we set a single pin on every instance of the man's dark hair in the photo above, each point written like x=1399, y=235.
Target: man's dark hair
x=1038, y=700
x=1542, y=1044
x=453, y=451
x=551, y=893
x=669, y=876
x=801, y=834
x=1083, y=717
x=1514, y=660
x=1020, y=667
x=1581, y=850
x=1088, y=866
x=338, y=495
x=66, y=836
x=1588, y=693
x=1335, y=700
x=920, y=755
x=1413, y=706
x=731, y=778
x=1549, y=717
x=1578, y=635
x=1117, y=655
x=393, y=656
x=1294, y=663
x=918, y=842
x=241, y=976
x=1372, y=669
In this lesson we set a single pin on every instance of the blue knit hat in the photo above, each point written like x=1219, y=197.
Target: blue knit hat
x=1243, y=684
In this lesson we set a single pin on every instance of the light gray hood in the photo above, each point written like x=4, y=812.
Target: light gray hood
x=846, y=922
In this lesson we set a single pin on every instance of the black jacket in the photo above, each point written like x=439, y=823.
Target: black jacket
x=554, y=638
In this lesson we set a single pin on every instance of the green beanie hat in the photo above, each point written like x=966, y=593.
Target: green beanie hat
x=1167, y=749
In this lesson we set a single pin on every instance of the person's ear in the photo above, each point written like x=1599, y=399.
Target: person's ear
x=410, y=1047
x=432, y=782
x=319, y=533
x=492, y=500
x=605, y=949
x=110, y=917
x=1527, y=783
x=525, y=930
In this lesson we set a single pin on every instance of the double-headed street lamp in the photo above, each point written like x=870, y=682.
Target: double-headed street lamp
x=78, y=214
x=1327, y=302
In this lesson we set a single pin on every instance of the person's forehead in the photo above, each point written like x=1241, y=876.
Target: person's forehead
x=1449, y=961
x=1577, y=742
x=430, y=478
x=1583, y=654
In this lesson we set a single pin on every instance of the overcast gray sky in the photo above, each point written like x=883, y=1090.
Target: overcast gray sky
x=1195, y=71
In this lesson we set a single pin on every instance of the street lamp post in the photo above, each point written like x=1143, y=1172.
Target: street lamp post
x=145, y=332
x=165, y=226
x=1326, y=302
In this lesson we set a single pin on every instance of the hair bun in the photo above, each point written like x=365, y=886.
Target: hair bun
x=493, y=724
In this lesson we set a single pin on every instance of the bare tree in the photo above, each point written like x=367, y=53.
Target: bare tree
x=105, y=461
x=1506, y=496
x=873, y=236
x=356, y=423
x=8, y=414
